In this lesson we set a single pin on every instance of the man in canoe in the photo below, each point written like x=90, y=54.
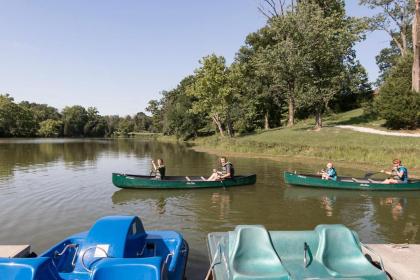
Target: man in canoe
x=159, y=169
x=227, y=171
x=399, y=173
x=330, y=173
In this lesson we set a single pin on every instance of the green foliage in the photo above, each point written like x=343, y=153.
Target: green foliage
x=74, y=119
x=211, y=92
x=95, y=125
x=397, y=103
x=385, y=60
x=50, y=128
x=15, y=120
x=154, y=107
x=302, y=61
x=311, y=60
x=178, y=118
x=142, y=122
x=125, y=126
x=356, y=89
x=31, y=119
x=41, y=112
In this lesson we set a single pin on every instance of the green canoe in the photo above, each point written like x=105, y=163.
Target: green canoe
x=347, y=183
x=328, y=252
x=177, y=182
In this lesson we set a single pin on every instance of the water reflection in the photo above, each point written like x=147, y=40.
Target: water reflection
x=327, y=202
x=221, y=201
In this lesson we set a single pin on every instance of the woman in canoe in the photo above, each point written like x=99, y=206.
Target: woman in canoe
x=330, y=173
x=227, y=171
x=159, y=169
x=399, y=173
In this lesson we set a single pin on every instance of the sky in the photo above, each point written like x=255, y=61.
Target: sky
x=117, y=55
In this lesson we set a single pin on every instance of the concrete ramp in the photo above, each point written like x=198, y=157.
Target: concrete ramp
x=14, y=251
x=401, y=261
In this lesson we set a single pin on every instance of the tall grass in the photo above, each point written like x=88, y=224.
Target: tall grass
x=328, y=144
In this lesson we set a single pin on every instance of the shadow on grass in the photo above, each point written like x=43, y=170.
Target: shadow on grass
x=354, y=120
x=258, y=132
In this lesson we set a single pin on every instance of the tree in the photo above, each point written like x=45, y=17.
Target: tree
x=395, y=19
x=125, y=126
x=7, y=108
x=142, y=122
x=385, y=60
x=112, y=123
x=15, y=120
x=74, y=120
x=177, y=116
x=416, y=49
x=396, y=102
x=154, y=108
x=282, y=62
x=260, y=102
x=95, y=125
x=211, y=93
x=41, y=112
x=310, y=60
x=326, y=46
x=50, y=128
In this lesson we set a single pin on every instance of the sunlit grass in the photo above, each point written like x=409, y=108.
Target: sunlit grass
x=329, y=143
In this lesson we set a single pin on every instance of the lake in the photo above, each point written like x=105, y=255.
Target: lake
x=52, y=188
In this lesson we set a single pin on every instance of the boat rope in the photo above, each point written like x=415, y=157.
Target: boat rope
x=213, y=263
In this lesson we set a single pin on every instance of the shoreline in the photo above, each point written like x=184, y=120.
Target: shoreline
x=280, y=158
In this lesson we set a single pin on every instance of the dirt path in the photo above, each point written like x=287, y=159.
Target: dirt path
x=377, y=131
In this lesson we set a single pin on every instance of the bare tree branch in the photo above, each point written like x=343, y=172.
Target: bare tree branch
x=273, y=8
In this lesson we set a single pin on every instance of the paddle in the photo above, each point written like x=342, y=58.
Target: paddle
x=370, y=174
x=223, y=183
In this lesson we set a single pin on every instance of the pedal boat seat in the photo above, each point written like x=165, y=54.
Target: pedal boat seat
x=340, y=252
x=252, y=255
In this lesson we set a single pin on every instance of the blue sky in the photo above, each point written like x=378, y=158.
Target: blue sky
x=117, y=55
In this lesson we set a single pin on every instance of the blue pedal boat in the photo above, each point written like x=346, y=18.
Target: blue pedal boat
x=328, y=252
x=115, y=247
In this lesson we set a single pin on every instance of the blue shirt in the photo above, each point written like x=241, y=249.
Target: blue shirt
x=404, y=177
x=332, y=173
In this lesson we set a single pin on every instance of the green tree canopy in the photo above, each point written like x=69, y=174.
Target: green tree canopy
x=74, y=119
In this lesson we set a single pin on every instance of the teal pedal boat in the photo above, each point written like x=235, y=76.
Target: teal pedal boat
x=252, y=252
x=115, y=247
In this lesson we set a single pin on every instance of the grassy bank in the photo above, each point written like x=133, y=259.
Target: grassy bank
x=329, y=143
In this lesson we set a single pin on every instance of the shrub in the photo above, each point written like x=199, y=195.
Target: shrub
x=397, y=103
x=50, y=128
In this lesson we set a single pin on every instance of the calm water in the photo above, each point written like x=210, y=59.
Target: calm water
x=50, y=189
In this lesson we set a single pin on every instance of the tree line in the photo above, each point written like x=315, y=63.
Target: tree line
x=301, y=64
x=27, y=119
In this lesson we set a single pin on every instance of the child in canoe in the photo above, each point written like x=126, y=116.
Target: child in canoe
x=159, y=169
x=330, y=173
x=399, y=173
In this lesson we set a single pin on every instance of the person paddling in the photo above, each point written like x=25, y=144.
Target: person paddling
x=399, y=173
x=330, y=173
x=159, y=169
x=227, y=171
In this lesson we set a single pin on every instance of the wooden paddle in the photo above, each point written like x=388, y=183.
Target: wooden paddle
x=370, y=174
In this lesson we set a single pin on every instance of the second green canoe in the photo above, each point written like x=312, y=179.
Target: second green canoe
x=128, y=181
x=347, y=183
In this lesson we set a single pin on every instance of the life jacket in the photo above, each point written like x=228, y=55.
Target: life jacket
x=160, y=172
x=232, y=170
x=404, y=170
